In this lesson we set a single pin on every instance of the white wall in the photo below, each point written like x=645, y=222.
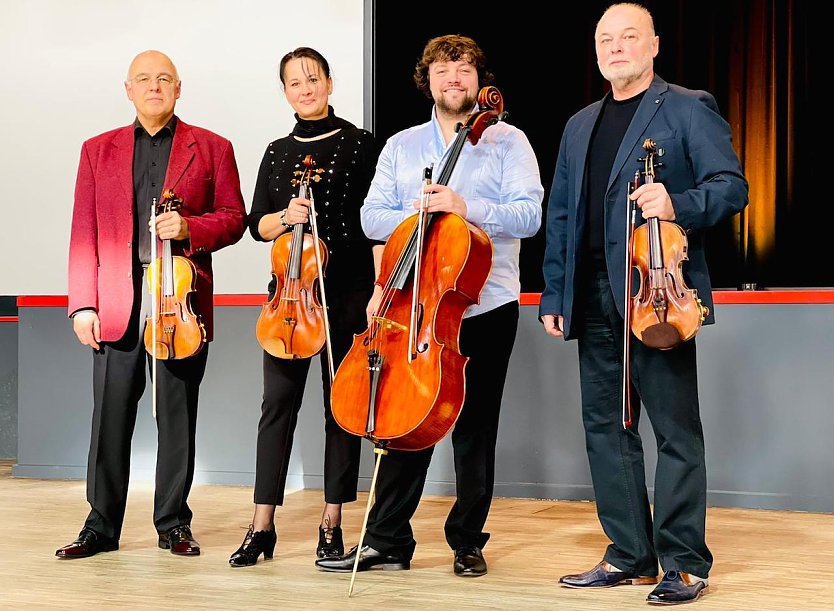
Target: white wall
x=64, y=63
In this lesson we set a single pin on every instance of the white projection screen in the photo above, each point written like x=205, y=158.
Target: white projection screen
x=64, y=64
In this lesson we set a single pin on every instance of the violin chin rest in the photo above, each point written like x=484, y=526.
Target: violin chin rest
x=662, y=336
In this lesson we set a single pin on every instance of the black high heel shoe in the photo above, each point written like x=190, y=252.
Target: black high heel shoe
x=330, y=542
x=254, y=544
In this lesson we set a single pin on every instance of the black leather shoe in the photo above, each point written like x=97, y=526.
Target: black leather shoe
x=331, y=544
x=469, y=561
x=677, y=588
x=368, y=559
x=180, y=541
x=254, y=544
x=89, y=543
x=604, y=575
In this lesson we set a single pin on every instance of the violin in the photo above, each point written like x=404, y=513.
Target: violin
x=401, y=384
x=293, y=324
x=664, y=311
x=173, y=330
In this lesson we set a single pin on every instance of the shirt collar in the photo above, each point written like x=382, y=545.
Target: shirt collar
x=167, y=130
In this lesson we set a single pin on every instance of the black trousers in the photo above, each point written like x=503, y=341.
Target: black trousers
x=666, y=383
x=118, y=383
x=487, y=339
x=284, y=381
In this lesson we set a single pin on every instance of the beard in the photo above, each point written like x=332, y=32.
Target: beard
x=463, y=107
x=625, y=75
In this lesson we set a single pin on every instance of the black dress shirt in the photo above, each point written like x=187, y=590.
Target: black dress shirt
x=150, y=163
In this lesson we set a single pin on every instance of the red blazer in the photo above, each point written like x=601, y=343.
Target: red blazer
x=203, y=173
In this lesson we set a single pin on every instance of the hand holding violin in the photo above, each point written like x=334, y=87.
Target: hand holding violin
x=298, y=211
x=172, y=226
x=654, y=201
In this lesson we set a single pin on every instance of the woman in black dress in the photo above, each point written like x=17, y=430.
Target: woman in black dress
x=347, y=155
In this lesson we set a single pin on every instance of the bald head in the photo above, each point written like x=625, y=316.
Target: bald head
x=153, y=86
x=638, y=12
x=151, y=58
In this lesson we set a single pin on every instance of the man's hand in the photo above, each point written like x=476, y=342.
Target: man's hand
x=373, y=304
x=654, y=201
x=553, y=325
x=88, y=328
x=172, y=226
x=443, y=199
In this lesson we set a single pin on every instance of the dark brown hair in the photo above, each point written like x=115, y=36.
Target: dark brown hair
x=451, y=48
x=301, y=53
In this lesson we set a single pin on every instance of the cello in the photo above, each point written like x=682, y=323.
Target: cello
x=434, y=266
x=293, y=324
x=401, y=384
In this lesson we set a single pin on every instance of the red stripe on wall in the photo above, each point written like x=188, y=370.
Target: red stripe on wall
x=799, y=296
x=8, y=319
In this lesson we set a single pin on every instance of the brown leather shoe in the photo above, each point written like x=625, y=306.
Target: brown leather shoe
x=605, y=575
x=89, y=543
x=180, y=541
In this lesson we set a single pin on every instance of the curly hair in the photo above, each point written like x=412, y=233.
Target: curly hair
x=451, y=48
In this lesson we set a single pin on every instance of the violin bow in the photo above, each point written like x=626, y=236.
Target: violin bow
x=631, y=220
x=154, y=309
x=306, y=192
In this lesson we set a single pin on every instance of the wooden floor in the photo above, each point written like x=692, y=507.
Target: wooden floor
x=765, y=560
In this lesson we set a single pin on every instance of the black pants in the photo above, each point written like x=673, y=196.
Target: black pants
x=487, y=339
x=666, y=383
x=118, y=384
x=284, y=381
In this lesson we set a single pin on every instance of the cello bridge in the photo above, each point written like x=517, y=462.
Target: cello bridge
x=389, y=324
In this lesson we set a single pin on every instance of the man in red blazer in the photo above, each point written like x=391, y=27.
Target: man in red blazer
x=120, y=173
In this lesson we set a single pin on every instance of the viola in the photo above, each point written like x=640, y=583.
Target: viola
x=293, y=324
x=173, y=330
x=401, y=384
x=664, y=311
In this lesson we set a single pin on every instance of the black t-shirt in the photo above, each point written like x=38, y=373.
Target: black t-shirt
x=612, y=124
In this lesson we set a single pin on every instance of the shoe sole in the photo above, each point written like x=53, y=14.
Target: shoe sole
x=470, y=574
x=668, y=603
x=165, y=545
x=637, y=581
x=74, y=556
x=385, y=567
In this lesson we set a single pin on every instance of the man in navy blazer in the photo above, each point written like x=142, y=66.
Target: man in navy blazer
x=699, y=184
x=120, y=173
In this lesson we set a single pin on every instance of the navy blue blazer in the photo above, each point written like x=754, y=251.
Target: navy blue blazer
x=700, y=171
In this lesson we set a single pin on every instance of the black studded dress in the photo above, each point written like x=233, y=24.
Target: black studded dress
x=348, y=159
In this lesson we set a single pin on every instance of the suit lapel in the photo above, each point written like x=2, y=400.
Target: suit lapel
x=124, y=143
x=181, y=155
x=584, y=143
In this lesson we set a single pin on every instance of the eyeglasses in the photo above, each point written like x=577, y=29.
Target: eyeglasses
x=144, y=80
